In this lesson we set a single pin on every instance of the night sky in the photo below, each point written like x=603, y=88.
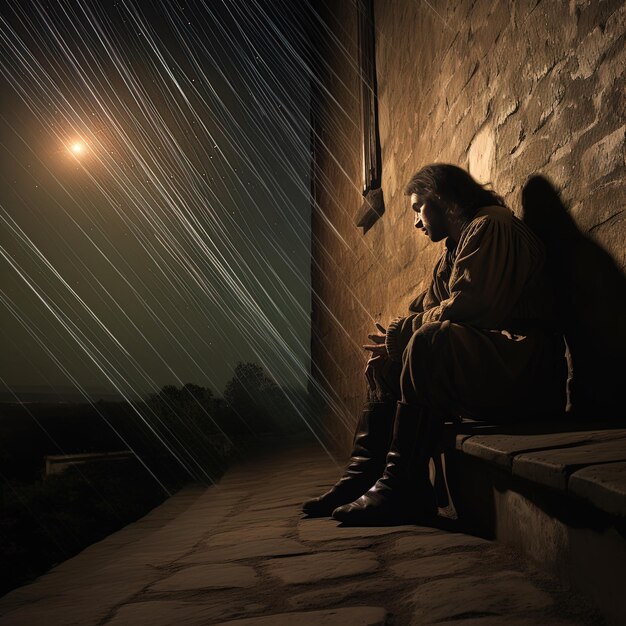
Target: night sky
x=154, y=200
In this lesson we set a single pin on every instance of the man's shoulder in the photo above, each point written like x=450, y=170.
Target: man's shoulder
x=490, y=219
x=501, y=224
x=487, y=219
x=495, y=212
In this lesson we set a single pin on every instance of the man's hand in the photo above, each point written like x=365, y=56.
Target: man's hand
x=373, y=369
x=378, y=348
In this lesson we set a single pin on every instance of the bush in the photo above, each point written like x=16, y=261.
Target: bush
x=47, y=522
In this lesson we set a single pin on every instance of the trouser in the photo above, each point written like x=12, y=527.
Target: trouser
x=457, y=370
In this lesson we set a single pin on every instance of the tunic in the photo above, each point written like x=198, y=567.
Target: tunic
x=482, y=341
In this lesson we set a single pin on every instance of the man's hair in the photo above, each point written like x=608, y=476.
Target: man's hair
x=452, y=189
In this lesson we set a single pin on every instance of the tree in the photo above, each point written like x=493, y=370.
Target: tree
x=253, y=397
x=187, y=421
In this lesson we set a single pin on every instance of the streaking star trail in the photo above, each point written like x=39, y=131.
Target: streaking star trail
x=175, y=241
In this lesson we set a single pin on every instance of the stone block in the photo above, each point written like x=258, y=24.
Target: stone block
x=531, y=156
x=590, y=14
x=255, y=518
x=500, y=449
x=436, y=543
x=249, y=531
x=544, y=100
x=461, y=78
x=522, y=620
x=605, y=156
x=610, y=71
x=504, y=594
x=56, y=613
x=481, y=154
x=604, y=486
x=507, y=70
x=352, y=616
x=168, y=612
x=549, y=31
x=509, y=138
x=478, y=16
x=205, y=577
x=591, y=50
x=245, y=550
x=504, y=105
x=552, y=468
x=268, y=504
x=434, y=566
x=462, y=137
x=326, y=530
x=342, y=593
x=322, y=566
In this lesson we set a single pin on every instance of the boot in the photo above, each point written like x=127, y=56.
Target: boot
x=403, y=494
x=370, y=446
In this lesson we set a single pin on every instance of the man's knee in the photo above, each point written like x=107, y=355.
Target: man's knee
x=427, y=339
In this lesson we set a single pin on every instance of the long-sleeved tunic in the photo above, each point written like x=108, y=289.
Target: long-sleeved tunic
x=482, y=338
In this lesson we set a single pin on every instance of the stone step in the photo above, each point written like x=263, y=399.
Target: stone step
x=586, y=463
x=556, y=492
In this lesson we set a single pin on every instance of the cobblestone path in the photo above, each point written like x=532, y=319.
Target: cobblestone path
x=241, y=554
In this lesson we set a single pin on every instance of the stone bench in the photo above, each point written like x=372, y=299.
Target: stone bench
x=555, y=491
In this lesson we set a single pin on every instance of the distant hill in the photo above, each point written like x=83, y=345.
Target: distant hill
x=61, y=394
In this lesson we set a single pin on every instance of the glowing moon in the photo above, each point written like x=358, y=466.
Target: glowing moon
x=77, y=147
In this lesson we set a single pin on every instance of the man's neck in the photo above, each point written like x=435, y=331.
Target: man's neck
x=455, y=230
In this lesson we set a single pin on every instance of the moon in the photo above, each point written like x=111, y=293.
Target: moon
x=77, y=147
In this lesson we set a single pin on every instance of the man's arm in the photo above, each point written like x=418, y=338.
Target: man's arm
x=400, y=329
x=489, y=274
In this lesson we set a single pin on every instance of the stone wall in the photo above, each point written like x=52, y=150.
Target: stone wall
x=509, y=90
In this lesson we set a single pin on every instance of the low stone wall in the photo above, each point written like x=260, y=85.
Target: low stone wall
x=58, y=463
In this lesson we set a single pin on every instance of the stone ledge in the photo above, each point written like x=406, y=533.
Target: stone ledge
x=604, y=486
x=587, y=462
x=554, y=492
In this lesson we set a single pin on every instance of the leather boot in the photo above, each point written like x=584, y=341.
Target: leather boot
x=403, y=494
x=370, y=446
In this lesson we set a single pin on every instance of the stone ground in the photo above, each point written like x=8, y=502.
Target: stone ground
x=241, y=554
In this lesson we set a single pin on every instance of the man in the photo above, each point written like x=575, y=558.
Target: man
x=480, y=342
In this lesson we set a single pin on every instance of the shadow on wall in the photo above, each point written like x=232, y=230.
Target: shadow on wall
x=591, y=302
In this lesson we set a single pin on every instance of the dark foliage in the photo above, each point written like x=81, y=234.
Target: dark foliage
x=177, y=434
x=49, y=521
x=254, y=399
x=186, y=423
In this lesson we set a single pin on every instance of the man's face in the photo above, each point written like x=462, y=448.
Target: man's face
x=429, y=219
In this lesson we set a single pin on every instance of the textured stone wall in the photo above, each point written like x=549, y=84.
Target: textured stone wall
x=508, y=90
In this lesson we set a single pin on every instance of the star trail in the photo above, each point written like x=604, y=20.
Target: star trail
x=156, y=196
